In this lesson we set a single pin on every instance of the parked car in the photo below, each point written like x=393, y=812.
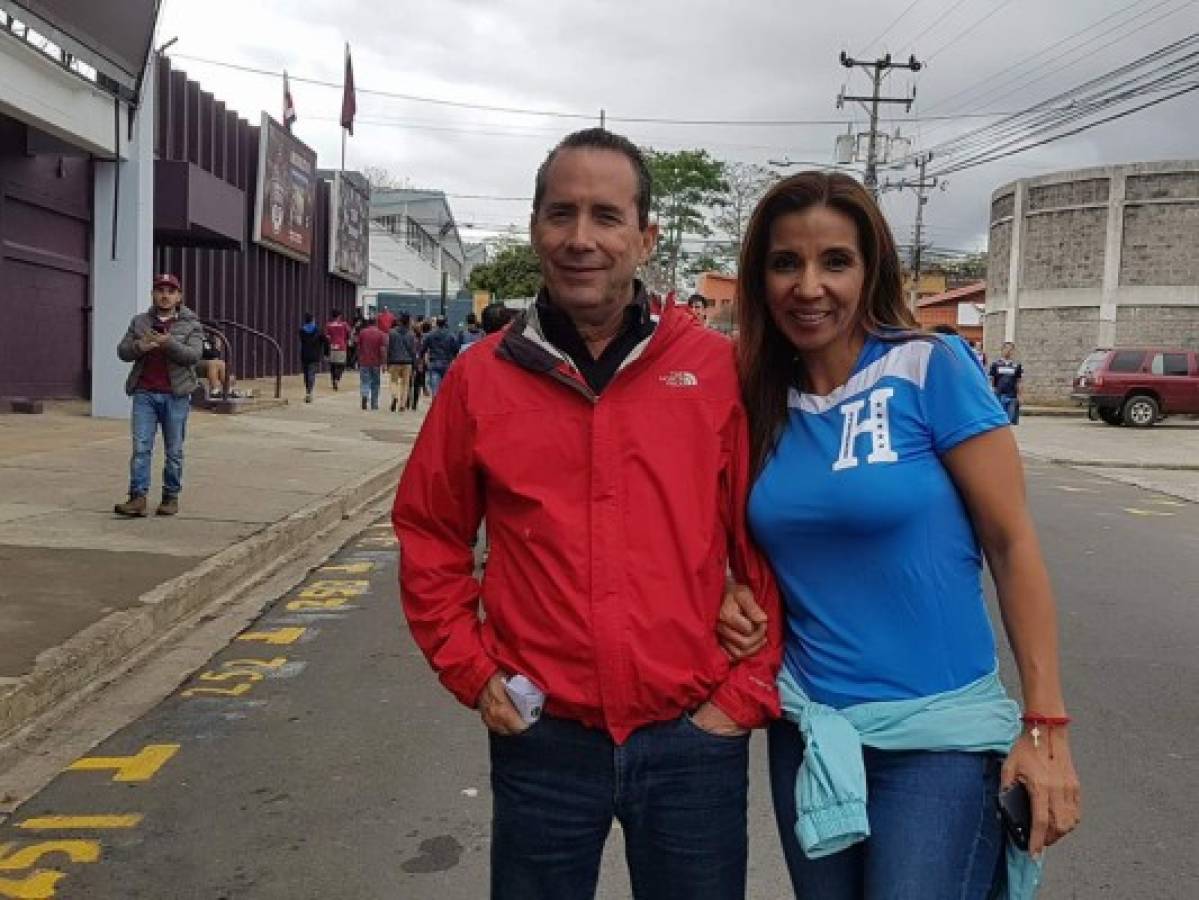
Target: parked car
x=1138, y=386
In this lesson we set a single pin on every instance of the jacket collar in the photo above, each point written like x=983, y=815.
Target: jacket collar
x=525, y=344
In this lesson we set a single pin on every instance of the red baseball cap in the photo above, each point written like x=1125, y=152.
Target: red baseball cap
x=167, y=280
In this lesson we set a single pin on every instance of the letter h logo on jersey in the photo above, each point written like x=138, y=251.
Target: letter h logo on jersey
x=878, y=426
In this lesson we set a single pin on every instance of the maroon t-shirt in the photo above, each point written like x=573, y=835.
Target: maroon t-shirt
x=156, y=374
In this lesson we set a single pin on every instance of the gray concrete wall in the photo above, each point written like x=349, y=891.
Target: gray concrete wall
x=1092, y=258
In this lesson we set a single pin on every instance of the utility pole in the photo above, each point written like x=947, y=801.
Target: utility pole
x=877, y=70
x=921, y=186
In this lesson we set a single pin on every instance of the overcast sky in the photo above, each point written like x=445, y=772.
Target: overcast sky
x=753, y=59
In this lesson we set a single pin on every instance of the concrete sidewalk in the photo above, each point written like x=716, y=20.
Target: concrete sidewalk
x=83, y=588
x=1163, y=458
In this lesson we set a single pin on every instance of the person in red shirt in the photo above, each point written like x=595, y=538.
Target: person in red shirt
x=372, y=356
x=385, y=320
x=337, y=333
x=164, y=345
x=607, y=567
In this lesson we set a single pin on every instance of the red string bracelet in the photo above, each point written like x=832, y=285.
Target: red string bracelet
x=1036, y=720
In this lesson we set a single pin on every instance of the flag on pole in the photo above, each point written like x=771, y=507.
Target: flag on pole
x=289, y=106
x=349, y=104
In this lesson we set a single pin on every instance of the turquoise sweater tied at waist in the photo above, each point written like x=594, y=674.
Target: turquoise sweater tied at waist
x=830, y=788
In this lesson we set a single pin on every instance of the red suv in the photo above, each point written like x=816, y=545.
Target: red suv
x=1138, y=385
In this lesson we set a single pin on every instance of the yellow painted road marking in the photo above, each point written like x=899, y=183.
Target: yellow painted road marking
x=1073, y=489
x=379, y=526
x=142, y=766
x=278, y=636
x=354, y=568
x=1166, y=501
x=27, y=857
x=66, y=823
x=39, y=885
x=275, y=663
x=322, y=590
x=236, y=691
x=331, y=603
x=1146, y=512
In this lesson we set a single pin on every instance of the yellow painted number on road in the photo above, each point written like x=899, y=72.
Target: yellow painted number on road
x=276, y=637
x=355, y=568
x=142, y=766
x=322, y=590
x=331, y=603
x=41, y=883
x=276, y=663
x=236, y=691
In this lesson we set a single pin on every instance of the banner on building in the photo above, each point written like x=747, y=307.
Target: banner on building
x=285, y=199
x=349, y=227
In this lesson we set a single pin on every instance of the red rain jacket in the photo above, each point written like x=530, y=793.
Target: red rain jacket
x=612, y=521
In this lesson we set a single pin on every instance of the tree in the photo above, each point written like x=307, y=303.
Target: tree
x=970, y=265
x=513, y=272
x=747, y=183
x=688, y=184
x=380, y=177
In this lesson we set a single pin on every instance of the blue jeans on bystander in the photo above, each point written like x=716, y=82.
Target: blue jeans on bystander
x=935, y=832
x=678, y=792
x=435, y=376
x=1011, y=406
x=150, y=410
x=369, y=380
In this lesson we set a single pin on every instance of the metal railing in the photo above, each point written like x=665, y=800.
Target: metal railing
x=215, y=327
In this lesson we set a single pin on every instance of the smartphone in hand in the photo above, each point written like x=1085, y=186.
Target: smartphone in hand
x=1015, y=808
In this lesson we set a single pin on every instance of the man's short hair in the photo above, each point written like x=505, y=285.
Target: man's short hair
x=496, y=316
x=405, y=319
x=602, y=139
x=697, y=298
x=471, y=319
x=441, y=321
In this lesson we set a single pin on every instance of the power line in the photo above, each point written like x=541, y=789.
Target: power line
x=980, y=160
x=893, y=23
x=938, y=20
x=633, y=120
x=969, y=28
x=990, y=80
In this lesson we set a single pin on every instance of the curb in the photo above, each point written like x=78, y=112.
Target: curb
x=87, y=656
x=1115, y=464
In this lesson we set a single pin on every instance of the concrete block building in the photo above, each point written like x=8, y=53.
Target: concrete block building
x=1092, y=258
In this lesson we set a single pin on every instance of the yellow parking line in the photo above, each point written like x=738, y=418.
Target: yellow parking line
x=66, y=823
x=1146, y=512
x=1166, y=501
x=1073, y=489
x=142, y=766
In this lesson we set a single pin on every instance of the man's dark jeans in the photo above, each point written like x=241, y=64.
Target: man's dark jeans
x=678, y=792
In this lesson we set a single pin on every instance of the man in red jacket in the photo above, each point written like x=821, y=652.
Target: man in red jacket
x=607, y=448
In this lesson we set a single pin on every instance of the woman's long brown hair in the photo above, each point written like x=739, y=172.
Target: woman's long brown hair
x=768, y=363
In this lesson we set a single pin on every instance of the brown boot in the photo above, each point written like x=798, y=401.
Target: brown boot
x=168, y=507
x=134, y=506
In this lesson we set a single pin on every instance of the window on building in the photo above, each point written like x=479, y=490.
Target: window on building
x=1126, y=361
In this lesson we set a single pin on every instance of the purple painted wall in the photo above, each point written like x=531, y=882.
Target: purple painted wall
x=255, y=286
x=45, y=253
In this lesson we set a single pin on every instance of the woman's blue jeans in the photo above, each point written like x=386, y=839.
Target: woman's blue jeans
x=935, y=832
x=151, y=410
x=678, y=792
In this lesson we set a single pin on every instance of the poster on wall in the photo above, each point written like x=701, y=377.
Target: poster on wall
x=349, y=234
x=285, y=201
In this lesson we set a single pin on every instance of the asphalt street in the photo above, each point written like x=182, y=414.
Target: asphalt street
x=317, y=757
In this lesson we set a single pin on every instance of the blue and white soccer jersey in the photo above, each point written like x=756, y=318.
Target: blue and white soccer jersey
x=871, y=543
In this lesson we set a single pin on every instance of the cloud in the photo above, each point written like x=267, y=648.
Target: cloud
x=710, y=59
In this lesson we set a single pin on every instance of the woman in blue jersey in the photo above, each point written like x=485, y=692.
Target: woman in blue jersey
x=885, y=470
